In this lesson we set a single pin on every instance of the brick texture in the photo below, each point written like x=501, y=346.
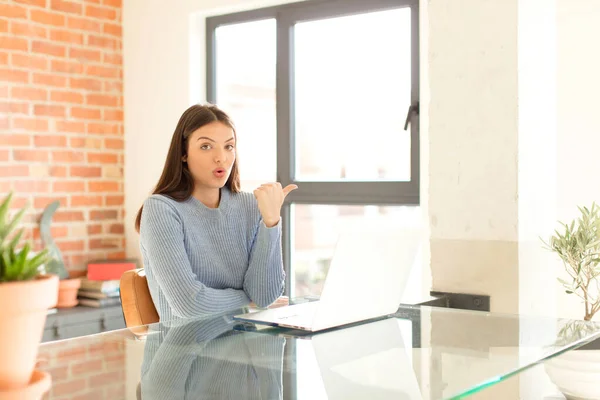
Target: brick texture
x=87, y=368
x=61, y=124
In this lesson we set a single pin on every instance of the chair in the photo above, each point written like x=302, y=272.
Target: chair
x=137, y=304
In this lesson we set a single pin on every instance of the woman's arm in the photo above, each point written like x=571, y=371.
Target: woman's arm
x=161, y=234
x=265, y=279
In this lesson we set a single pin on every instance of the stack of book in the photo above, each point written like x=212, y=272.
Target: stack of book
x=99, y=293
x=100, y=287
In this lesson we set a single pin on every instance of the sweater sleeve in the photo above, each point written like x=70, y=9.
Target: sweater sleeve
x=161, y=234
x=265, y=279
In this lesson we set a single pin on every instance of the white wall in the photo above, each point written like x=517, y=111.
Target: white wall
x=473, y=148
x=513, y=139
x=578, y=86
x=537, y=183
x=537, y=153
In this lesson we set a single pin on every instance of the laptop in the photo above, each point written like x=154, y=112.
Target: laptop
x=366, y=279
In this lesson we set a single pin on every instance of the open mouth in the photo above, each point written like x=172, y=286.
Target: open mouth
x=219, y=172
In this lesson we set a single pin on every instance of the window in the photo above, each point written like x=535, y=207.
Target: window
x=245, y=85
x=350, y=95
x=320, y=92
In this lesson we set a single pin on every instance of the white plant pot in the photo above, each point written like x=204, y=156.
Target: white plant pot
x=576, y=374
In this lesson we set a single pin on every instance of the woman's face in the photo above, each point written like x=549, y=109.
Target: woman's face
x=211, y=154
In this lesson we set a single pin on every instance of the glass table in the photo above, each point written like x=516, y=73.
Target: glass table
x=420, y=352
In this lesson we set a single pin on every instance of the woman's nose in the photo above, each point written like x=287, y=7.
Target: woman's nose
x=220, y=156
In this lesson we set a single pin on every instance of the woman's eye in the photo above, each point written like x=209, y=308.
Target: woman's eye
x=205, y=147
x=230, y=147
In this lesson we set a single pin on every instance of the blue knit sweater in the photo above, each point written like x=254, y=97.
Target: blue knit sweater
x=200, y=260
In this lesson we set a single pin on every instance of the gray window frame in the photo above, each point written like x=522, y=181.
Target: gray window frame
x=339, y=193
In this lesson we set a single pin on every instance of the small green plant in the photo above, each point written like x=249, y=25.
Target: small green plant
x=16, y=265
x=578, y=246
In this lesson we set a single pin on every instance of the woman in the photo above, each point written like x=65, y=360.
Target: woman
x=207, y=246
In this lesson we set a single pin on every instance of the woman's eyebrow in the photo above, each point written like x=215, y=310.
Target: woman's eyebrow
x=207, y=138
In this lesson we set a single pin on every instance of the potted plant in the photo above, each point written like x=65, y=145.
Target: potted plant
x=25, y=296
x=579, y=249
x=68, y=287
x=577, y=373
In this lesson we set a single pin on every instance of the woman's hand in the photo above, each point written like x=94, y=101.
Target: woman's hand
x=280, y=302
x=270, y=198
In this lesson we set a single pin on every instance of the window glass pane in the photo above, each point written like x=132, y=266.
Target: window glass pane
x=352, y=92
x=316, y=229
x=245, y=89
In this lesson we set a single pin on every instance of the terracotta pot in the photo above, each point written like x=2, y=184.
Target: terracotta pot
x=67, y=293
x=22, y=318
x=40, y=383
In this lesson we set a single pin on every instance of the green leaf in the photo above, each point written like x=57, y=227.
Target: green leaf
x=15, y=263
x=4, y=208
x=22, y=261
x=563, y=282
x=29, y=274
x=15, y=241
x=7, y=263
x=40, y=258
x=12, y=224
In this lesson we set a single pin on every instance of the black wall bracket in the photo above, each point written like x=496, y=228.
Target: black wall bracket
x=465, y=301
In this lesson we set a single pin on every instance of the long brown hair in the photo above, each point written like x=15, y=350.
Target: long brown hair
x=176, y=180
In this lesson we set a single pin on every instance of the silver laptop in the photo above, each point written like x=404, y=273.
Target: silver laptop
x=366, y=279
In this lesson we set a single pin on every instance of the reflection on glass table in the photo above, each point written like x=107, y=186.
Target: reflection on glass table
x=421, y=353
x=207, y=359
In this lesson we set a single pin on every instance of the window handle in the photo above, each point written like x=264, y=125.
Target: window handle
x=414, y=108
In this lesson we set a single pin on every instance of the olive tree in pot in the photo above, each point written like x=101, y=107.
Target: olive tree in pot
x=577, y=373
x=25, y=295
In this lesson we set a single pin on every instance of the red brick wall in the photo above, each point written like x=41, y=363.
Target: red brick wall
x=89, y=368
x=61, y=120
